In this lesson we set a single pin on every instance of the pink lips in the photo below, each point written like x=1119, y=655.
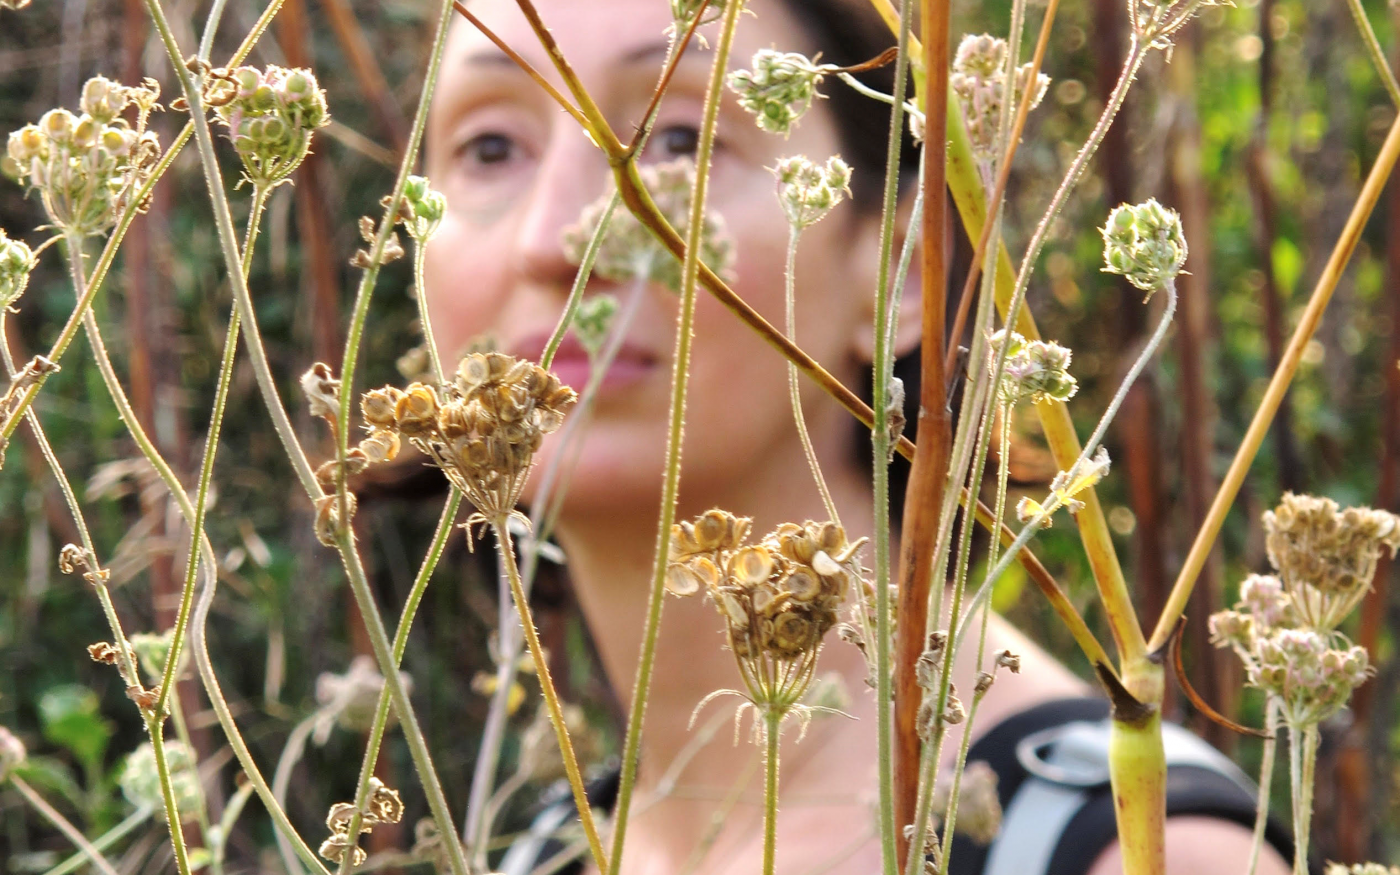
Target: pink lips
x=631, y=365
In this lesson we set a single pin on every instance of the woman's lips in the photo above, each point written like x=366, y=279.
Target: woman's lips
x=572, y=366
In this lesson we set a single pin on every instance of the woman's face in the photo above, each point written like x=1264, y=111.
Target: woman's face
x=517, y=171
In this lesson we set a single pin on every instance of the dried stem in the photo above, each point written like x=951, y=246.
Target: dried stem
x=70, y=831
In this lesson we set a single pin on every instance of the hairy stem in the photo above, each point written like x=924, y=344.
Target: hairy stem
x=585, y=270
x=690, y=271
x=69, y=831
x=102, y=842
x=790, y=287
x=551, y=697
x=1373, y=48
x=772, y=734
x=1266, y=780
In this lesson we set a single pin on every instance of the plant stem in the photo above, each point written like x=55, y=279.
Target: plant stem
x=1373, y=48
x=425, y=322
x=70, y=831
x=773, y=732
x=410, y=609
x=1266, y=780
x=551, y=698
x=211, y=447
x=790, y=296
x=155, y=727
x=102, y=842
x=1302, y=767
x=680, y=375
x=880, y=450
x=1278, y=385
x=1138, y=775
x=371, y=273
x=585, y=270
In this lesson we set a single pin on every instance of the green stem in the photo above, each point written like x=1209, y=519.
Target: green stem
x=211, y=447
x=680, y=375
x=551, y=696
x=585, y=270
x=425, y=322
x=1137, y=768
x=70, y=831
x=376, y=255
x=156, y=728
x=773, y=731
x=880, y=450
x=790, y=289
x=1302, y=767
x=102, y=842
x=1266, y=780
x=1373, y=48
x=410, y=609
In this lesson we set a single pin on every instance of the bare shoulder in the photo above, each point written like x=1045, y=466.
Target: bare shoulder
x=1202, y=846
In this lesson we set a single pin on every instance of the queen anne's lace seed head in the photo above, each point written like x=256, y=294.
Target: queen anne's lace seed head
x=778, y=597
x=482, y=429
x=978, y=80
x=808, y=191
x=629, y=252
x=1326, y=557
x=270, y=115
x=1144, y=243
x=593, y=320
x=87, y=168
x=779, y=89
x=16, y=263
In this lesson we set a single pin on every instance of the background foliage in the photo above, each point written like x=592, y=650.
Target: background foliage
x=1257, y=131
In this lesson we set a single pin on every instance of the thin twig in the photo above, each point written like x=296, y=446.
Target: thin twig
x=64, y=826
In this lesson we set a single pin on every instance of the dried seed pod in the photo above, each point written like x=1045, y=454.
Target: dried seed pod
x=377, y=406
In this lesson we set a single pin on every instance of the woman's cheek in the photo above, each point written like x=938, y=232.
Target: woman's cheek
x=464, y=303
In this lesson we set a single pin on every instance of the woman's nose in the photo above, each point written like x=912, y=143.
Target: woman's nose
x=571, y=174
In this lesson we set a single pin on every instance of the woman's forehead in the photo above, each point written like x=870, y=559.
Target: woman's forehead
x=615, y=34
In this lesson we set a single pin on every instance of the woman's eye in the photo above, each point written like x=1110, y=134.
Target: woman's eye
x=675, y=141
x=487, y=149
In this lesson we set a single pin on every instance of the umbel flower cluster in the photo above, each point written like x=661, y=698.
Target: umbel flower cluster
x=978, y=80
x=1284, y=627
x=88, y=167
x=778, y=597
x=1144, y=243
x=270, y=115
x=779, y=89
x=16, y=263
x=629, y=252
x=1034, y=370
x=808, y=191
x=482, y=429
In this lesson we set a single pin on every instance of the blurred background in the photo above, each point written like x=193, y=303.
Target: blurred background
x=1258, y=131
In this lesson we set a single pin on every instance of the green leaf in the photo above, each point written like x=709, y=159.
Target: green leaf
x=71, y=719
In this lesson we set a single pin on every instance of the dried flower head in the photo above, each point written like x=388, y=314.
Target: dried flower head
x=808, y=191
x=270, y=115
x=978, y=80
x=779, y=89
x=778, y=597
x=87, y=168
x=482, y=429
x=16, y=263
x=140, y=781
x=629, y=252
x=1326, y=557
x=1063, y=489
x=1144, y=243
x=382, y=805
x=15, y=5
x=12, y=753
x=1034, y=370
x=349, y=700
x=1361, y=869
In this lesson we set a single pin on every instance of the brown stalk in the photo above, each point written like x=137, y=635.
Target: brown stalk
x=929, y=470
x=1307, y=325
x=1199, y=703
x=1018, y=126
x=370, y=77
x=534, y=74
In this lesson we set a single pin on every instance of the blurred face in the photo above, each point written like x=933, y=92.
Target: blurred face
x=517, y=171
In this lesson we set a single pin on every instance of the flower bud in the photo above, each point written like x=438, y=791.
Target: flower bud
x=779, y=89
x=16, y=263
x=1145, y=244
